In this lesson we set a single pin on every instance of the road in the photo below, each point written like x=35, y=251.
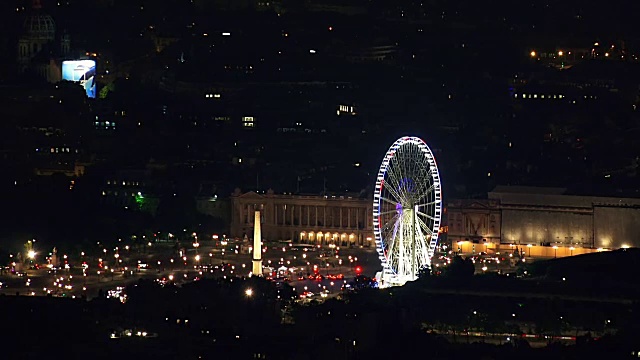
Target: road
x=163, y=261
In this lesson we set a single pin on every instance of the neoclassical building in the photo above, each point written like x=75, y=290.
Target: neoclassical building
x=311, y=219
x=40, y=46
x=477, y=221
x=543, y=221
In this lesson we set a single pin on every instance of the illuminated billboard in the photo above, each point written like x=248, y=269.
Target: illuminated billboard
x=83, y=72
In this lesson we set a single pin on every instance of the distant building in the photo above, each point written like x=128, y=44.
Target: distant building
x=59, y=159
x=69, y=170
x=543, y=220
x=312, y=219
x=477, y=221
x=39, y=46
x=214, y=207
x=131, y=189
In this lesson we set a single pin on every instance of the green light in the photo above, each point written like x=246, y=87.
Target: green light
x=140, y=200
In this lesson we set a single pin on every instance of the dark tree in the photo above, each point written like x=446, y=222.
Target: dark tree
x=460, y=268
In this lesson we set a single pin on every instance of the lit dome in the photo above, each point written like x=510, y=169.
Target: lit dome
x=40, y=26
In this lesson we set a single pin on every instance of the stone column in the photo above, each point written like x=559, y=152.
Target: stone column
x=349, y=218
x=324, y=214
x=358, y=218
x=275, y=214
x=340, y=217
x=291, y=211
x=316, y=218
x=308, y=216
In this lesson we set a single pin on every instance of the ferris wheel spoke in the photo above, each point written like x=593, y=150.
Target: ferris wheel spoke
x=402, y=174
x=388, y=212
x=388, y=200
x=388, y=223
x=425, y=171
x=394, y=189
x=428, y=203
x=396, y=195
x=426, y=191
x=426, y=215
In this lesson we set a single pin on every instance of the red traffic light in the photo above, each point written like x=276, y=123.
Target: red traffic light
x=358, y=270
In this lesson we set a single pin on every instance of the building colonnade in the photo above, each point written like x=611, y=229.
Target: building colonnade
x=317, y=220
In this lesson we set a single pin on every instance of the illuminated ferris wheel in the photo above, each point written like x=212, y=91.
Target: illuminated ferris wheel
x=406, y=211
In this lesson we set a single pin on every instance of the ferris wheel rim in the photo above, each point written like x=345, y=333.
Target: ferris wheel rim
x=436, y=204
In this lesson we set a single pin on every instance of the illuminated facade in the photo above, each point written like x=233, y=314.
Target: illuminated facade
x=544, y=218
x=309, y=219
x=477, y=221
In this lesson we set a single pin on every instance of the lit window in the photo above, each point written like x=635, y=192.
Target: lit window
x=248, y=121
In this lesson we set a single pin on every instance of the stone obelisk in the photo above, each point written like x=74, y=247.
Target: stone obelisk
x=257, y=245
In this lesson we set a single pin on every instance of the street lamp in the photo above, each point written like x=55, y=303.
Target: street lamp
x=555, y=249
x=248, y=292
x=31, y=254
x=571, y=249
x=196, y=245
